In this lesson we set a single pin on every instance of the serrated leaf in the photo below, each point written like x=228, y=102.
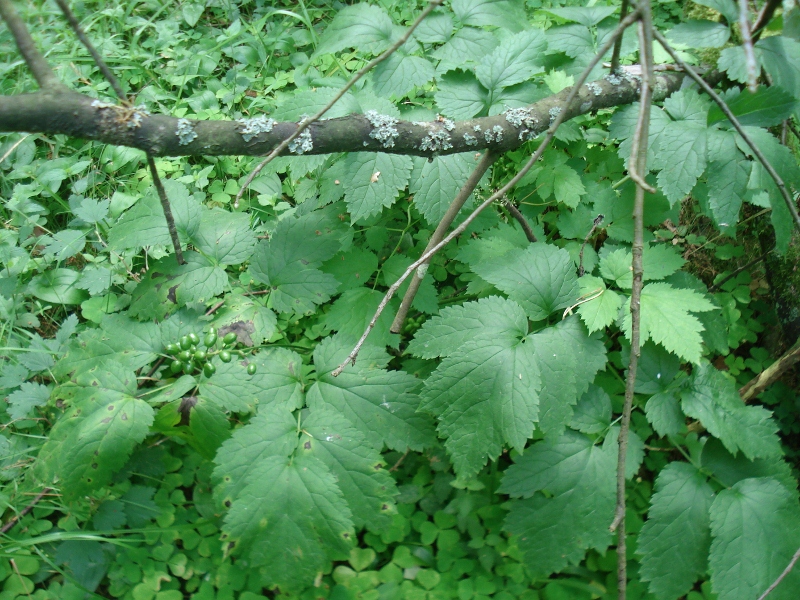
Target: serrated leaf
x=363, y=26
x=461, y=96
x=664, y=413
x=252, y=322
x=681, y=157
x=401, y=73
x=167, y=285
x=306, y=102
x=634, y=453
x=592, y=413
x=224, y=237
x=658, y=261
x=64, y=244
x=144, y=224
x=556, y=530
x=766, y=107
x=492, y=318
x=541, y=278
x=712, y=398
x=425, y=301
x=95, y=279
x=599, y=312
x=358, y=468
x=91, y=210
x=700, y=34
x=485, y=395
x=353, y=310
x=436, y=182
x=729, y=469
x=585, y=15
x=675, y=539
x=666, y=319
x=779, y=55
x=572, y=40
x=656, y=369
x=515, y=60
x=380, y=404
x=365, y=197
x=468, y=45
x=352, y=269
x=435, y=29
x=755, y=527
x=508, y=14
x=29, y=396
x=276, y=382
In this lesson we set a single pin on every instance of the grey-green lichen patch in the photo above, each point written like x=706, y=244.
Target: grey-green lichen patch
x=613, y=79
x=384, y=128
x=586, y=106
x=449, y=124
x=523, y=119
x=495, y=135
x=303, y=142
x=255, y=126
x=436, y=141
x=554, y=112
x=100, y=104
x=470, y=140
x=185, y=132
x=134, y=118
x=477, y=128
x=595, y=88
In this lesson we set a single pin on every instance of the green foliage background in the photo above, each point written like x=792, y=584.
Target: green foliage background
x=471, y=456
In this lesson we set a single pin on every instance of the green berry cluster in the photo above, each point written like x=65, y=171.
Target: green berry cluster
x=189, y=357
x=412, y=324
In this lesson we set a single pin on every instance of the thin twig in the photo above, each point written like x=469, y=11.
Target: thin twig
x=523, y=222
x=14, y=147
x=623, y=12
x=44, y=75
x=16, y=518
x=787, y=198
x=730, y=276
x=793, y=129
x=306, y=123
x=597, y=220
x=399, y=461
x=764, y=17
x=162, y=195
x=624, y=24
x=441, y=229
x=782, y=576
x=747, y=43
x=771, y=374
x=639, y=159
x=98, y=60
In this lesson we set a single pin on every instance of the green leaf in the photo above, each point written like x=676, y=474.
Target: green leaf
x=585, y=15
x=168, y=285
x=507, y=14
x=664, y=413
x=635, y=449
x=401, y=73
x=352, y=311
x=372, y=181
x=91, y=210
x=461, y=96
x=755, y=527
x=492, y=318
x=425, y=301
x=64, y=244
x=288, y=262
x=59, y=286
x=712, y=398
x=435, y=29
x=139, y=506
x=766, y=107
x=729, y=469
x=306, y=102
x=656, y=369
x=380, y=404
x=515, y=60
x=363, y=26
x=666, y=319
x=780, y=56
x=468, y=45
x=556, y=530
x=675, y=539
x=681, y=158
x=599, y=312
x=358, y=468
x=224, y=237
x=297, y=505
x=658, y=261
x=435, y=183
x=95, y=280
x=352, y=269
x=144, y=224
x=727, y=8
x=29, y=396
x=700, y=34
x=592, y=413
x=541, y=278
x=572, y=40
x=485, y=395
x=252, y=322
x=276, y=382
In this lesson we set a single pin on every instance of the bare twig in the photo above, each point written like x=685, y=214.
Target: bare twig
x=561, y=113
x=771, y=374
x=101, y=64
x=623, y=12
x=793, y=129
x=16, y=518
x=787, y=198
x=399, y=462
x=162, y=195
x=782, y=576
x=523, y=222
x=36, y=62
x=306, y=123
x=441, y=229
x=639, y=159
x=764, y=17
x=595, y=224
x=730, y=276
x=747, y=43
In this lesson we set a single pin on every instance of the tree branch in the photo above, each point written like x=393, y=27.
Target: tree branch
x=747, y=43
x=595, y=224
x=306, y=123
x=771, y=374
x=523, y=222
x=623, y=12
x=764, y=17
x=787, y=198
x=559, y=116
x=441, y=229
x=162, y=195
x=36, y=62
